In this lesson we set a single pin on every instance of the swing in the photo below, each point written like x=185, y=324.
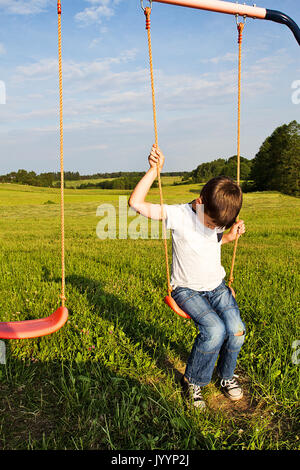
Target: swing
x=46, y=326
x=169, y=299
x=228, y=8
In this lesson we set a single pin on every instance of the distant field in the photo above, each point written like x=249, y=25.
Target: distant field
x=76, y=183
x=166, y=181
x=109, y=378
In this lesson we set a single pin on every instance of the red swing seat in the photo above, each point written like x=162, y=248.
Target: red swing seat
x=173, y=305
x=34, y=328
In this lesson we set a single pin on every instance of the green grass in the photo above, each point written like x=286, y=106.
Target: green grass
x=109, y=378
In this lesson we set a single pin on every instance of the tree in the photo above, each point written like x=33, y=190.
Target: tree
x=290, y=176
x=277, y=164
x=220, y=167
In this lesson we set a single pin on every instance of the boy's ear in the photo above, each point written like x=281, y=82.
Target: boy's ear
x=198, y=200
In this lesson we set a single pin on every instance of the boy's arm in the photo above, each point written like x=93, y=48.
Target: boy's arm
x=237, y=228
x=138, y=196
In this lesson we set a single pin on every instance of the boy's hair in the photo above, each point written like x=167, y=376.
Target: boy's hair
x=222, y=199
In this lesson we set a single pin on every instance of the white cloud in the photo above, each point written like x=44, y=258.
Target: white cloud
x=41, y=70
x=99, y=10
x=89, y=148
x=95, y=42
x=228, y=57
x=23, y=7
x=109, y=93
x=46, y=69
x=94, y=15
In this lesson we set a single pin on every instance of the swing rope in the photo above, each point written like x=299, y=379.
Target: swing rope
x=48, y=325
x=147, y=12
x=62, y=216
x=240, y=27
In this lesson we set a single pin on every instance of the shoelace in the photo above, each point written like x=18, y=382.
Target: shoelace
x=197, y=392
x=230, y=383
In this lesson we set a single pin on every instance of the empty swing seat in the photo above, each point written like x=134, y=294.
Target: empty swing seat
x=34, y=328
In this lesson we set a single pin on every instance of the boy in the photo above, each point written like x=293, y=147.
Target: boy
x=198, y=276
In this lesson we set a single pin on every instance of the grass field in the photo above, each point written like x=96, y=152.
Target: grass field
x=109, y=378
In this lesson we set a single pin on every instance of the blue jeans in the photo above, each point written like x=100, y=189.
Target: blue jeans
x=221, y=332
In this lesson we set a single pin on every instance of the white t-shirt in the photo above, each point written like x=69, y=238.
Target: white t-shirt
x=196, y=250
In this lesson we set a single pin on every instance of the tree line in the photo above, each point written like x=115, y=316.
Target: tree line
x=221, y=166
x=275, y=167
x=49, y=179
x=117, y=180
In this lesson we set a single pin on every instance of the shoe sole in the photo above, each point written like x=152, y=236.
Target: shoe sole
x=233, y=398
x=200, y=405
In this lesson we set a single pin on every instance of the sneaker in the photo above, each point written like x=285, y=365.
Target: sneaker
x=193, y=392
x=232, y=389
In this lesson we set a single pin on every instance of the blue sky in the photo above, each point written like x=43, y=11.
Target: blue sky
x=107, y=98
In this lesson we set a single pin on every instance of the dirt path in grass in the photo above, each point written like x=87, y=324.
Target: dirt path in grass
x=217, y=401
